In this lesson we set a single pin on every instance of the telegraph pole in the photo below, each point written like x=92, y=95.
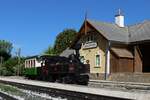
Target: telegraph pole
x=85, y=23
x=18, y=56
x=1, y=62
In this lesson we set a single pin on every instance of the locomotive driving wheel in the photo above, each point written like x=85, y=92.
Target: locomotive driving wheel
x=65, y=80
x=52, y=78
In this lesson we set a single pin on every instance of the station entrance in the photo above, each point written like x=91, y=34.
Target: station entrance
x=145, y=52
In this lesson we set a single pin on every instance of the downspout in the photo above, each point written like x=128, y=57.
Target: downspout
x=107, y=60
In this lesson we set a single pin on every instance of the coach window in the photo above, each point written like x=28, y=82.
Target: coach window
x=34, y=62
x=30, y=63
x=27, y=64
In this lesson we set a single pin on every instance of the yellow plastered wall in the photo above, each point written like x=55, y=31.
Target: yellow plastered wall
x=90, y=54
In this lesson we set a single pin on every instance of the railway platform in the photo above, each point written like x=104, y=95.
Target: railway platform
x=79, y=91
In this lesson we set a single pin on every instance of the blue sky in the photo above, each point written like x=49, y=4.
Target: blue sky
x=32, y=25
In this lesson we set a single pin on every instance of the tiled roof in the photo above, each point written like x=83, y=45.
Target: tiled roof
x=140, y=32
x=127, y=34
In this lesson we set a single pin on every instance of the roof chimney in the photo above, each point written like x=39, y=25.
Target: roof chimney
x=119, y=19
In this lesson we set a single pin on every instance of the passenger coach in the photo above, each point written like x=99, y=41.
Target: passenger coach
x=32, y=66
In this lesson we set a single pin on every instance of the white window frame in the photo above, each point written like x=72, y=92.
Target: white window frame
x=96, y=59
x=90, y=38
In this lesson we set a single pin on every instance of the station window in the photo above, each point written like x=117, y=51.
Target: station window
x=97, y=60
x=90, y=38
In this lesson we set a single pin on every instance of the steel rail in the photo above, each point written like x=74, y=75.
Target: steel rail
x=6, y=96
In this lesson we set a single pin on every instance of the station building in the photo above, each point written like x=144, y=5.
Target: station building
x=111, y=48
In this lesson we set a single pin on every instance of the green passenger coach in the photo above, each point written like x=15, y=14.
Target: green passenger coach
x=32, y=66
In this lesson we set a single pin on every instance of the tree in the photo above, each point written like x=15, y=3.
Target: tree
x=5, y=50
x=63, y=40
x=50, y=51
x=11, y=66
x=8, y=66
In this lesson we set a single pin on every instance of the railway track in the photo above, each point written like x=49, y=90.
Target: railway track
x=5, y=96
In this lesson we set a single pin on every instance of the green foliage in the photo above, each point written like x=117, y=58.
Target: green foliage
x=12, y=67
x=63, y=40
x=9, y=65
x=5, y=49
x=50, y=51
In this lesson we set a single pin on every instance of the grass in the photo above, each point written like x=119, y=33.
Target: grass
x=10, y=89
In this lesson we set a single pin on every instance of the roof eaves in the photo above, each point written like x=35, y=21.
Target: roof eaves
x=31, y=57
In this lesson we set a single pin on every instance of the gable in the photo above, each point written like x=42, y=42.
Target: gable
x=85, y=29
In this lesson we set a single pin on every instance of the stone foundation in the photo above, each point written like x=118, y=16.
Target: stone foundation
x=97, y=76
x=130, y=77
x=122, y=77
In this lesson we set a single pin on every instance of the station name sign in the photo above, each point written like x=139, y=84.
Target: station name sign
x=89, y=45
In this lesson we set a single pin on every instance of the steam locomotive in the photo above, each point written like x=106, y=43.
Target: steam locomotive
x=57, y=69
x=62, y=69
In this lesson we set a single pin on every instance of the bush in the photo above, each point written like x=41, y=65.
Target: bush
x=11, y=67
